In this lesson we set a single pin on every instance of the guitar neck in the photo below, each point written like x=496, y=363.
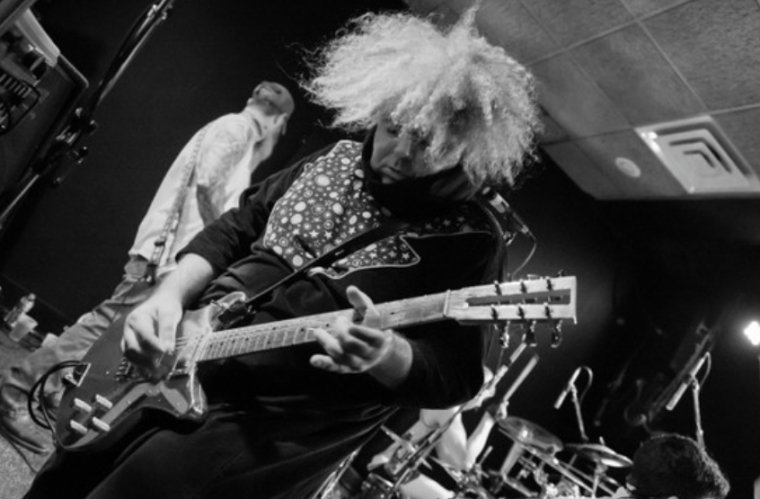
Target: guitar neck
x=269, y=336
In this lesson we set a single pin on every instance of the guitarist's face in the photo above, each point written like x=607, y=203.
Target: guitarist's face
x=398, y=154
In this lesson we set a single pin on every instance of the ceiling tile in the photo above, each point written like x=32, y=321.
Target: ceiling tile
x=645, y=7
x=442, y=14
x=572, y=21
x=581, y=170
x=423, y=7
x=552, y=132
x=630, y=69
x=508, y=24
x=715, y=44
x=574, y=101
x=458, y=5
x=741, y=129
x=654, y=181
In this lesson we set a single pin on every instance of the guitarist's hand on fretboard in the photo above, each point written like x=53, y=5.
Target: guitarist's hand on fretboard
x=361, y=346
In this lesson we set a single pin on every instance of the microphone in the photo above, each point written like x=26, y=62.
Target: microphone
x=686, y=381
x=514, y=221
x=570, y=384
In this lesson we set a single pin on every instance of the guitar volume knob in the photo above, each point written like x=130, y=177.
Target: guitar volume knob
x=77, y=428
x=102, y=402
x=82, y=406
x=100, y=425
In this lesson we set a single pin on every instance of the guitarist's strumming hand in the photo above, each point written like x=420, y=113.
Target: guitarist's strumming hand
x=360, y=346
x=150, y=330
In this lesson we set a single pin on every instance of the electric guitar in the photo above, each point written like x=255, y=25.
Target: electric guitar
x=106, y=392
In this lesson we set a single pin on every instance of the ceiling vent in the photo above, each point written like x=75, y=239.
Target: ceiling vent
x=700, y=157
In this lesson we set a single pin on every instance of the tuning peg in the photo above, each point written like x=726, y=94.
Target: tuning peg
x=503, y=335
x=556, y=334
x=530, y=334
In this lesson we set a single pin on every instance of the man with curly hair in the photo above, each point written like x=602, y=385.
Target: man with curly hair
x=446, y=114
x=674, y=466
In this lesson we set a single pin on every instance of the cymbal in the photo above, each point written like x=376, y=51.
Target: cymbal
x=601, y=454
x=530, y=434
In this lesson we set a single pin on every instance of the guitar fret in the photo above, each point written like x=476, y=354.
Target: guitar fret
x=219, y=350
x=230, y=350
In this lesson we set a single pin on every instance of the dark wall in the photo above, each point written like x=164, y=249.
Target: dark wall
x=647, y=275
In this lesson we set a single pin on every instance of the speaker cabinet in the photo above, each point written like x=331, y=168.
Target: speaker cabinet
x=38, y=91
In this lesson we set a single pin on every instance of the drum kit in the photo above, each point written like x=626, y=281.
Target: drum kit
x=532, y=468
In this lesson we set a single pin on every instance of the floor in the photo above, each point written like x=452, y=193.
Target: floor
x=17, y=466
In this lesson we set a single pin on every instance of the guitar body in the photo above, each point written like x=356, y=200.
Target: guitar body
x=108, y=393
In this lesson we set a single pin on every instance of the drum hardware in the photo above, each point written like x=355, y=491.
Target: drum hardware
x=533, y=446
x=329, y=486
x=530, y=434
x=603, y=458
x=377, y=487
x=601, y=454
x=539, y=462
x=468, y=482
x=404, y=464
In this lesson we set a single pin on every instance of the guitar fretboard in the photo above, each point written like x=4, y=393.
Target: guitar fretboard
x=260, y=337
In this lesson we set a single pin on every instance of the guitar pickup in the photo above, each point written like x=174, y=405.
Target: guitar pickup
x=100, y=425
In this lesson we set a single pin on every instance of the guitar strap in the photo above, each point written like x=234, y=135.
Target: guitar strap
x=175, y=214
x=241, y=310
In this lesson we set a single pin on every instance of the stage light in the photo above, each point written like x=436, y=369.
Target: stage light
x=752, y=332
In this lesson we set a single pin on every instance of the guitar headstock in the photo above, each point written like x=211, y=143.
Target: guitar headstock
x=526, y=302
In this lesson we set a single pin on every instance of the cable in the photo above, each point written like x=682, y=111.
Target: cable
x=37, y=393
x=527, y=258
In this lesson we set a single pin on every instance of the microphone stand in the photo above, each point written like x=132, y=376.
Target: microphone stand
x=578, y=415
x=695, y=389
x=582, y=428
x=81, y=124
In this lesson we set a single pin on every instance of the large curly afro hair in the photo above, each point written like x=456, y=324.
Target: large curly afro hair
x=473, y=104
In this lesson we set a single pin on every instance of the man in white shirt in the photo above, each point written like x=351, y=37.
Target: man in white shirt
x=214, y=168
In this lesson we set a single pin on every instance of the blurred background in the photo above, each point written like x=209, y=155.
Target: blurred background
x=646, y=189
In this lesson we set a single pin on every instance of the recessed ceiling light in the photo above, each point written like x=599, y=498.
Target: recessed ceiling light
x=628, y=167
